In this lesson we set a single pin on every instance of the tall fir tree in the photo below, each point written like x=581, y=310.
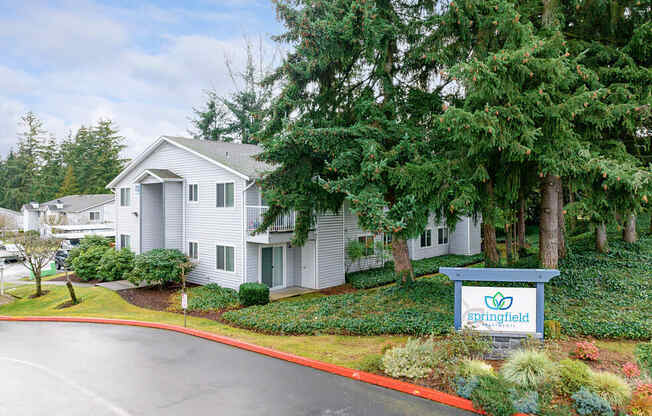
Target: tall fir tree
x=69, y=185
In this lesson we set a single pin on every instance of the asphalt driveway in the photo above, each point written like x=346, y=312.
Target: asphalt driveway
x=91, y=369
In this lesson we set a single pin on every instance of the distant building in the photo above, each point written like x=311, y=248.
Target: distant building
x=72, y=216
x=10, y=220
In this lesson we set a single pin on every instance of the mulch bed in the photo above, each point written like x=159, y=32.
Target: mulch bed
x=75, y=279
x=338, y=290
x=161, y=299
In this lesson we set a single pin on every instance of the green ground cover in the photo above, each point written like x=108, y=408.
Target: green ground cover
x=600, y=295
x=378, y=277
x=209, y=297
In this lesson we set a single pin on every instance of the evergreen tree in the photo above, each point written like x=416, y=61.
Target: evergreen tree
x=352, y=122
x=69, y=185
x=239, y=116
x=51, y=170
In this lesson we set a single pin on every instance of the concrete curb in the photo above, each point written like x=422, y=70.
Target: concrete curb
x=382, y=381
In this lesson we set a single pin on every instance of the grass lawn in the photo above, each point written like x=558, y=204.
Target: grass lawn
x=103, y=303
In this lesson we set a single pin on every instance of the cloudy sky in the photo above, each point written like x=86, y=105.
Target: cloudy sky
x=142, y=64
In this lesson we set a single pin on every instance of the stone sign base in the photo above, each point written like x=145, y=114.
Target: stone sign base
x=504, y=344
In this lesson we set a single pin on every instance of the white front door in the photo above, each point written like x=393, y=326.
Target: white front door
x=308, y=265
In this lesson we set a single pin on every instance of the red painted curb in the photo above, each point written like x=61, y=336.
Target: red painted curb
x=382, y=381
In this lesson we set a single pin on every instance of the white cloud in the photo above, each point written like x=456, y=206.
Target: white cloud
x=84, y=63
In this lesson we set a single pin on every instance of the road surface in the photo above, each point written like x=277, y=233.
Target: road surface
x=91, y=369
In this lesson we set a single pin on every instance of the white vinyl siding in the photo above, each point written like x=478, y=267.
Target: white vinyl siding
x=330, y=250
x=225, y=259
x=225, y=195
x=202, y=222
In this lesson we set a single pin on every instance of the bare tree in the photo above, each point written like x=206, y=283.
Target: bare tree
x=36, y=253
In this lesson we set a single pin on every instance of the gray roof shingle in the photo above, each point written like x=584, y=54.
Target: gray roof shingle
x=77, y=203
x=237, y=156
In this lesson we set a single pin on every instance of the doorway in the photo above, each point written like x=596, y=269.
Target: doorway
x=272, y=266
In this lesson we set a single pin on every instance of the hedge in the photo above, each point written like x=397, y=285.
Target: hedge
x=378, y=277
x=253, y=294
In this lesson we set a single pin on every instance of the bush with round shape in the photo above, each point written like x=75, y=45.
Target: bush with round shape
x=631, y=370
x=413, y=360
x=586, y=350
x=641, y=403
x=588, y=403
x=525, y=402
x=492, y=395
x=529, y=369
x=469, y=368
x=465, y=386
x=87, y=263
x=573, y=375
x=159, y=266
x=116, y=264
x=86, y=243
x=611, y=387
x=253, y=294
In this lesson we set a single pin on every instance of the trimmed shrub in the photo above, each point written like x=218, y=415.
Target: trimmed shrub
x=469, y=368
x=525, y=402
x=413, y=360
x=586, y=350
x=465, y=386
x=492, y=394
x=87, y=263
x=529, y=369
x=115, y=264
x=211, y=297
x=253, y=294
x=86, y=243
x=372, y=363
x=644, y=356
x=573, y=375
x=611, y=387
x=159, y=266
x=641, y=403
x=588, y=403
x=461, y=345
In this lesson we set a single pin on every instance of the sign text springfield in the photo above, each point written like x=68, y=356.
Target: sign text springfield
x=499, y=309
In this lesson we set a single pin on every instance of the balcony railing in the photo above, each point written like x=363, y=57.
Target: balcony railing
x=283, y=223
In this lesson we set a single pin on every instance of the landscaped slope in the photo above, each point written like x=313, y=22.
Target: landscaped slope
x=597, y=295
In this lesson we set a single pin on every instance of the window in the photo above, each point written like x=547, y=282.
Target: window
x=125, y=197
x=192, y=193
x=387, y=239
x=193, y=250
x=226, y=258
x=368, y=241
x=94, y=215
x=125, y=241
x=426, y=238
x=442, y=235
x=225, y=195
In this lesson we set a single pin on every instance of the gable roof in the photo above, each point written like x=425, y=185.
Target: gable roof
x=237, y=158
x=6, y=211
x=162, y=175
x=78, y=203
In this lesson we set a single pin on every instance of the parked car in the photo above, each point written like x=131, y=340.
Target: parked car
x=9, y=252
x=60, y=259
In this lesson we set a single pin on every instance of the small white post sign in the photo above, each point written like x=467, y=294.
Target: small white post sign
x=499, y=309
x=184, y=301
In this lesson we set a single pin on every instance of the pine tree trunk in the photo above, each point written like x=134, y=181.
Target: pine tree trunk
x=508, y=244
x=561, y=249
x=549, y=223
x=402, y=263
x=491, y=258
x=629, y=231
x=601, y=238
x=522, y=250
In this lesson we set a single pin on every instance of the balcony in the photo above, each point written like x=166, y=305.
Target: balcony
x=278, y=232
